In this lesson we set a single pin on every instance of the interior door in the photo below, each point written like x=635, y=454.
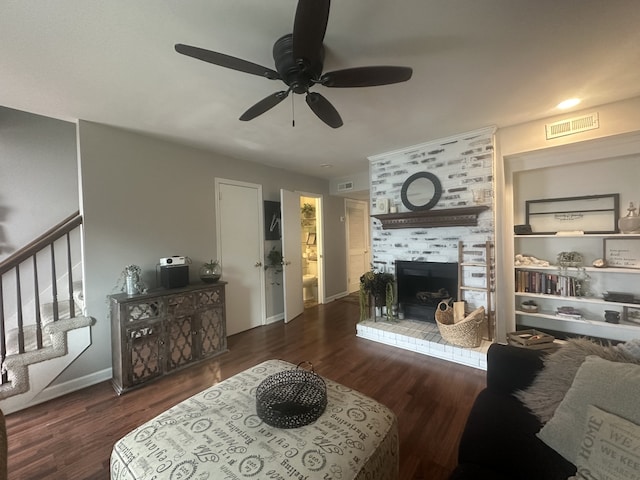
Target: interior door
x=292, y=254
x=357, y=242
x=241, y=250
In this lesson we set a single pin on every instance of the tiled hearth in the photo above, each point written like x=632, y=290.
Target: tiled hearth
x=422, y=337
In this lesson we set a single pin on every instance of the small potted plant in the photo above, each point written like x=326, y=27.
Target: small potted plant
x=130, y=280
x=379, y=286
x=273, y=265
x=211, y=271
x=308, y=210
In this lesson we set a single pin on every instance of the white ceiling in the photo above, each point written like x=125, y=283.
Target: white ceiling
x=476, y=63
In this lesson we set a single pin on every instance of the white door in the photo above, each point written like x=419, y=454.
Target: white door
x=357, y=242
x=292, y=254
x=241, y=250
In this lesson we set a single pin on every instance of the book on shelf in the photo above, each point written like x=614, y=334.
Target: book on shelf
x=546, y=283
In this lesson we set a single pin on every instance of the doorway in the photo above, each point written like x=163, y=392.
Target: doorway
x=309, y=250
x=240, y=249
x=302, y=247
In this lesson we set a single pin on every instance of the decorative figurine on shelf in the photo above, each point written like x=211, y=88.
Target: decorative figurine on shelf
x=570, y=259
x=630, y=223
x=528, y=260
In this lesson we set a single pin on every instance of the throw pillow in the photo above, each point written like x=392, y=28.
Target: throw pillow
x=632, y=347
x=611, y=386
x=549, y=387
x=609, y=448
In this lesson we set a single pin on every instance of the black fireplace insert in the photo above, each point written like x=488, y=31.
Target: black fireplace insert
x=423, y=285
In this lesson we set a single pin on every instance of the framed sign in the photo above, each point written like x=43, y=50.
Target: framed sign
x=622, y=252
x=271, y=220
x=311, y=238
x=589, y=214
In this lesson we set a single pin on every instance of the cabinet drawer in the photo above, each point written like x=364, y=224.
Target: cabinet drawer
x=147, y=310
x=181, y=305
x=210, y=297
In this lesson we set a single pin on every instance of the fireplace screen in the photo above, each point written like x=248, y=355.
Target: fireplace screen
x=422, y=285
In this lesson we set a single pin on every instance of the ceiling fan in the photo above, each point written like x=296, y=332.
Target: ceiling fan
x=299, y=58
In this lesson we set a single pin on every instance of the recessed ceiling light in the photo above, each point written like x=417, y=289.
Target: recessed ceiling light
x=326, y=165
x=571, y=102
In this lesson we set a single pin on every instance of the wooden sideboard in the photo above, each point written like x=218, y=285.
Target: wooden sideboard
x=158, y=332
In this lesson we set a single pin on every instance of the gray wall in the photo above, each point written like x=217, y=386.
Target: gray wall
x=38, y=176
x=145, y=198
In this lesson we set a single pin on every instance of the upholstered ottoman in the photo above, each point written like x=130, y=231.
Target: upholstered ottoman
x=217, y=434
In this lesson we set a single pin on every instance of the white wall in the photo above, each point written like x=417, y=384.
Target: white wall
x=145, y=198
x=38, y=176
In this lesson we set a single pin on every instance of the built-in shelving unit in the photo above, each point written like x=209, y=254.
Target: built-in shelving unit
x=595, y=281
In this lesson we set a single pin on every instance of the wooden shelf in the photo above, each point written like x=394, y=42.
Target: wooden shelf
x=448, y=217
x=557, y=268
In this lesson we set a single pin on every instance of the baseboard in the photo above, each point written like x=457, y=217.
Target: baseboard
x=73, y=385
x=335, y=297
x=274, y=318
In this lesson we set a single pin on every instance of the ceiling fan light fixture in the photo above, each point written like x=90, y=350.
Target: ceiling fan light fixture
x=299, y=62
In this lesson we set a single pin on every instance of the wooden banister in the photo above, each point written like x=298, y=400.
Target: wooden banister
x=12, y=266
x=42, y=241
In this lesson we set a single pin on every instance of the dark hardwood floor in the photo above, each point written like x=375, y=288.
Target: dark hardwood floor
x=71, y=437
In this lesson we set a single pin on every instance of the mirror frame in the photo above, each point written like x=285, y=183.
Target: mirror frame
x=437, y=187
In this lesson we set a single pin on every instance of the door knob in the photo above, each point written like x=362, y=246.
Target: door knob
x=258, y=264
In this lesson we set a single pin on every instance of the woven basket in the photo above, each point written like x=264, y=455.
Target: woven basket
x=292, y=398
x=467, y=332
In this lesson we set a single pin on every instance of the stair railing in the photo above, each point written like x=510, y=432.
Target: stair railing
x=26, y=258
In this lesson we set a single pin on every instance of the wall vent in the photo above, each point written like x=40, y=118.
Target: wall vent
x=343, y=187
x=572, y=125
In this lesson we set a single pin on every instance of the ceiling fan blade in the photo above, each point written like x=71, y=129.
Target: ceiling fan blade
x=324, y=110
x=227, y=61
x=309, y=28
x=264, y=105
x=366, y=76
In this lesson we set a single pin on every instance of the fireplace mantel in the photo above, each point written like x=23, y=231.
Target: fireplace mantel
x=448, y=217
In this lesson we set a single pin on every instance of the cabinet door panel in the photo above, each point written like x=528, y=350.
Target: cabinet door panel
x=180, y=342
x=144, y=345
x=212, y=331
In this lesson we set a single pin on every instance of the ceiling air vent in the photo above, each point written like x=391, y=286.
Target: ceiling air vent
x=343, y=187
x=572, y=125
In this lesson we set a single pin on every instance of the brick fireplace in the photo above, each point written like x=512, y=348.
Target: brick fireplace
x=464, y=166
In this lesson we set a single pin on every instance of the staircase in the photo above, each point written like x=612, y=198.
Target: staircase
x=43, y=328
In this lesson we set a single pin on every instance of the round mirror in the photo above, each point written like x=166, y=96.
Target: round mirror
x=421, y=191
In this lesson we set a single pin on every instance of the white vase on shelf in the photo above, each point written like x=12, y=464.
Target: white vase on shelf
x=631, y=222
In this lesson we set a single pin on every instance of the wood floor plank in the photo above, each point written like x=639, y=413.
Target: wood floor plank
x=71, y=437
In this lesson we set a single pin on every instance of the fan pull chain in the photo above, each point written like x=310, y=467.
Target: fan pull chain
x=293, y=112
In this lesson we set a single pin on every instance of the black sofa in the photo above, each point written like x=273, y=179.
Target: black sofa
x=499, y=440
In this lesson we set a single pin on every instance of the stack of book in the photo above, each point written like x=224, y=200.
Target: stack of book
x=568, y=312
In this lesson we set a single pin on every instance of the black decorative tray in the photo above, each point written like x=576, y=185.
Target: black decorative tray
x=291, y=399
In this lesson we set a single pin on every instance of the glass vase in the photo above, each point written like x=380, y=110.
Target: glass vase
x=210, y=273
